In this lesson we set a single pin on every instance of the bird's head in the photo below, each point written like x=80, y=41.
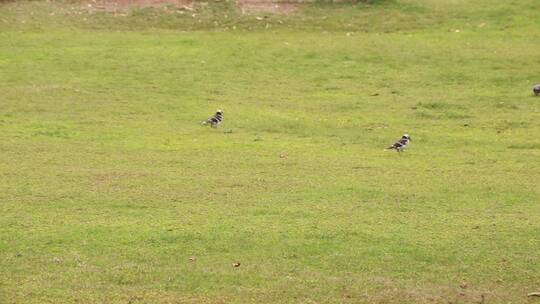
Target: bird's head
x=219, y=111
x=406, y=136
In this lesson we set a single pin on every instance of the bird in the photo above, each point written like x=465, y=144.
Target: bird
x=536, y=89
x=215, y=119
x=401, y=144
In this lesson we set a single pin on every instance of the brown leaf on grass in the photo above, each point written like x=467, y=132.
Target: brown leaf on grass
x=193, y=258
x=534, y=294
x=236, y=264
x=482, y=299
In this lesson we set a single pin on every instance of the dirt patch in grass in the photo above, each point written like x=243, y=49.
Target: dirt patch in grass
x=246, y=6
x=112, y=5
x=276, y=7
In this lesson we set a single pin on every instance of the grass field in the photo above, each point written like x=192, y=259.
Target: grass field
x=109, y=184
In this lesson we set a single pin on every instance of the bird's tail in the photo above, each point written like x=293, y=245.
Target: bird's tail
x=390, y=148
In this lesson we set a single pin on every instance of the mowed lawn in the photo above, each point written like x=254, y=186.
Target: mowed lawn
x=111, y=191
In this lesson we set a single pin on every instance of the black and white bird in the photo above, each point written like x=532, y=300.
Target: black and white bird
x=536, y=89
x=401, y=144
x=215, y=120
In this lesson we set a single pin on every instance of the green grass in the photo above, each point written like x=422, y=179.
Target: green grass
x=108, y=182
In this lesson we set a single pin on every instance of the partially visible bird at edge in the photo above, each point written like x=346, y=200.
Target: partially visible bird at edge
x=536, y=90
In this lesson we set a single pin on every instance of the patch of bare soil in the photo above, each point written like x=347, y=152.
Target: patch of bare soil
x=276, y=7
x=113, y=5
x=270, y=6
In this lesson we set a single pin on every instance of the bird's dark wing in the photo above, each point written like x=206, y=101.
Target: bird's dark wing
x=397, y=145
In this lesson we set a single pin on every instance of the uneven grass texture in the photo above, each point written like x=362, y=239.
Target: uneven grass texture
x=109, y=184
